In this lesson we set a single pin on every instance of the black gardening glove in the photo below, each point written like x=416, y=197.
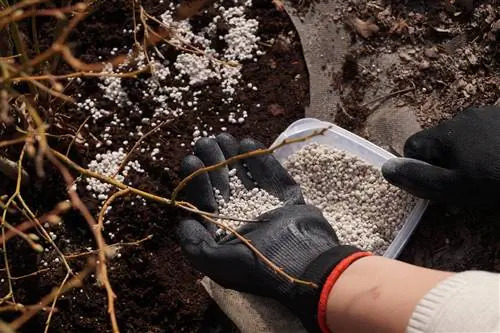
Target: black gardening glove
x=456, y=162
x=297, y=238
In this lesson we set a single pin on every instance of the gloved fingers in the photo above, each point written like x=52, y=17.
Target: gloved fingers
x=243, y=230
x=429, y=145
x=270, y=174
x=230, y=147
x=210, y=153
x=196, y=242
x=222, y=263
x=423, y=180
x=199, y=190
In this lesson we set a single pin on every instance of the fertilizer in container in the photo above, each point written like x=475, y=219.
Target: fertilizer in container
x=339, y=173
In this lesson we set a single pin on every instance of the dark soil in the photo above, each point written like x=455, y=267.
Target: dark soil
x=157, y=290
x=448, y=54
x=450, y=57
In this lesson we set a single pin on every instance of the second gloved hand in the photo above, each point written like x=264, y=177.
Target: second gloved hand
x=296, y=237
x=456, y=162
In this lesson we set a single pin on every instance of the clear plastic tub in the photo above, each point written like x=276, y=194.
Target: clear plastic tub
x=339, y=138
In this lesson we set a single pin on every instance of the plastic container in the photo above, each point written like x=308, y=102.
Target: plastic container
x=339, y=138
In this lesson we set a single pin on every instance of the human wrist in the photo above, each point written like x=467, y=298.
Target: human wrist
x=324, y=270
x=374, y=286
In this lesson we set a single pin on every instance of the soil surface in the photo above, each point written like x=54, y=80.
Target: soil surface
x=437, y=57
x=157, y=290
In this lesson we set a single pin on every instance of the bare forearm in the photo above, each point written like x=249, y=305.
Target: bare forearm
x=377, y=294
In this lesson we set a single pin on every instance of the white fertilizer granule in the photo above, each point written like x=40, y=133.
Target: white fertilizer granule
x=363, y=209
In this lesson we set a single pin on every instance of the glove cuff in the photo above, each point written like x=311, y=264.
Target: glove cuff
x=324, y=271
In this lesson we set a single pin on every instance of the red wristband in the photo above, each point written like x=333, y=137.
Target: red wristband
x=330, y=281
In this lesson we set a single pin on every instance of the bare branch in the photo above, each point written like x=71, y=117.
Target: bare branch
x=258, y=152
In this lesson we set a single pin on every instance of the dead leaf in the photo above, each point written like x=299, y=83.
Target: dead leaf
x=275, y=109
x=399, y=27
x=424, y=64
x=365, y=29
x=432, y=52
x=190, y=8
x=405, y=56
x=384, y=14
x=494, y=34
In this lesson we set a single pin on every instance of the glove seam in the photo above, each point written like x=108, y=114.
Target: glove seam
x=328, y=286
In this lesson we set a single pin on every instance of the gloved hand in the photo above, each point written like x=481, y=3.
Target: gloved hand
x=455, y=162
x=295, y=237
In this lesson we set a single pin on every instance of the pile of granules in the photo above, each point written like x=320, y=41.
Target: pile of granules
x=363, y=209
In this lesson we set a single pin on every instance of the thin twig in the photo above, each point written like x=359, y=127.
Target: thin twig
x=144, y=194
x=54, y=301
x=107, y=203
x=136, y=145
x=192, y=208
x=132, y=74
x=114, y=246
x=30, y=274
x=4, y=225
x=253, y=153
x=259, y=254
x=59, y=43
x=191, y=49
x=58, y=13
x=16, y=141
x=75, y=282
x=395, y=93
x=49, y=239
x=28, y=224
x=19, y=5
x=76, y=134
x=102, y=271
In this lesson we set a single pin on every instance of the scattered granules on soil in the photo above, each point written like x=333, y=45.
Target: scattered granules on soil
x=363, y=208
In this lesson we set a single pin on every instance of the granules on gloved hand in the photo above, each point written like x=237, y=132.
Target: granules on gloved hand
x=364, y=209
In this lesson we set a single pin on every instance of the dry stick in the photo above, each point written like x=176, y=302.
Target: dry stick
x=134, y=21
x=76, y=134
x=131, y=74
x=17, y=307
x=258, y=152
x=144, y=194
x=30, y=274
x=12, y=142
x=145, y=37
x=107, y=203
x=191, y=49
x=35, y=246
x=4, y=244
x=9, y=169
x=190, y=207
x=21, y=4
x=59, y=42
x=5, y=328
x=259, y=254
x=31, y=215
x=54, y=301
x=58, y=13
x=116, y=246
x=51, y=91
x=28, y=224
x=75, y=282
x=387, y=96
x=102, y=271
x=125, y=160
x=78, y=204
